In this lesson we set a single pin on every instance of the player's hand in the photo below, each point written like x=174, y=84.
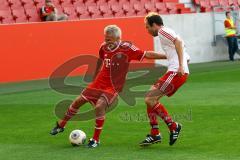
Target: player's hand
x=180, y=71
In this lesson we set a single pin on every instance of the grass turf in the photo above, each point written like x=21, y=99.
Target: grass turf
x=208, y=106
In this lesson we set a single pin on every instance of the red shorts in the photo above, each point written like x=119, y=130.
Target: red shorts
x=95, y=90
x=170, y=82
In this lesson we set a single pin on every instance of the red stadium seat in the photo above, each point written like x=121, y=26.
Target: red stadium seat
x=95, y=16
x=81, y=10
x=15, y=4
x=123, y=2
x=112, y=2
x=94, y=10
x=172, y=8
x=32, y=15
x=170, y=1
x=105, y=9
x=131, y=14
x=224, y=3
x=128, y=9
x=150, y=7
x=205, y=6
x=101, y=2
x=161, y=7
x=8, y=20
x=28, y=4
x=4, y=14
x=134, y=1
x=119, y=14
x=70, y=11
x=140, y=9
x=185, y=10
x=66, y=4
x=4, y=6
x=85, y=16
x=108, y=15
x=78, y=3
x=90, y=2
x=19, y=15
x=117, y=9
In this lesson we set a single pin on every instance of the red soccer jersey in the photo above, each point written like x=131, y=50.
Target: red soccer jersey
x=115, y=65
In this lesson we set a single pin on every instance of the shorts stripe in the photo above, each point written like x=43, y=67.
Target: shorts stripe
x=168, y=81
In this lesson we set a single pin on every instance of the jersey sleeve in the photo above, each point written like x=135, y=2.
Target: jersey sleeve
x=168, y=34
x=136, y=54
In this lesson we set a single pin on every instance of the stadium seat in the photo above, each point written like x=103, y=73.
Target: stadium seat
x=78, y=3
x=139, y=9
x=4, y=14
x=4, y=6
x=185, y=10
x=32, y=15
x=133, y=1
x=70, y=11
x=85, y=16
x=224, y=3
x=205, y=6
x=96, y=16
x=28, y=4
x=117, y=9
x=128, y=9
x=170, y=1
x=161, y=7
x=150, y=7
x=105, y=9
x=172, y=8
x=66, y=4
x=15, y=4
x=123, y=2
x=101, y=2
x=94, y=10
x=90, y=3
x=113, y=2
x=81, y=10
x=19, y=15
x=108, y=15
x=119, y=14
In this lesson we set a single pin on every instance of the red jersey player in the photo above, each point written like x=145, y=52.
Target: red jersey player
x=169, y=83
x=101, y=93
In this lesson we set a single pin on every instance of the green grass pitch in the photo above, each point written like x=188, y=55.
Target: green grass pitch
x=208, y=106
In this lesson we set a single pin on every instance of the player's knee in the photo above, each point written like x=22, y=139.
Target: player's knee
x=150, y=101
x=100, y=107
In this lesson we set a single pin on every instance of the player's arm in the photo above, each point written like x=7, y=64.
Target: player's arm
x=179, y=49
x=99, y=65
x=154, y=55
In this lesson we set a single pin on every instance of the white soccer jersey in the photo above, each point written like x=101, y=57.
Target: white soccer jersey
x=167, y=37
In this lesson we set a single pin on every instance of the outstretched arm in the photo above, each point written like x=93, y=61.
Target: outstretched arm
x=99, y=65
x=154, y=55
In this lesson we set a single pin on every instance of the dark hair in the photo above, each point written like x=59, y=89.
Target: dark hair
x=153, y=17
x=227, y=13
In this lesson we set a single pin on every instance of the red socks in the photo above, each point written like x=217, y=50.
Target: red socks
x=98, y=128
x=153, y=121
x=161, y=111
x=68, y=115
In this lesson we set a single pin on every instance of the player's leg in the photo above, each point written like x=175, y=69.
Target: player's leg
x=72, y=110
x=100, y=110
x=152, y=98
x=230, y=48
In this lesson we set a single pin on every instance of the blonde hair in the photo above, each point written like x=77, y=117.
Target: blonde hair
x=113, y=30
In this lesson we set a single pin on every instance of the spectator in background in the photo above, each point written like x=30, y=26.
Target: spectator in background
x=230, y=30
x=49, y=12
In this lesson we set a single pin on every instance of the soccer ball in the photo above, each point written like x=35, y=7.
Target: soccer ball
x=77, y=137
